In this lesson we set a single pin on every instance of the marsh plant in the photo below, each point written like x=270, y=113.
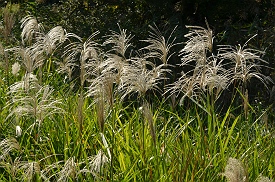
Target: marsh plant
x=96, y=108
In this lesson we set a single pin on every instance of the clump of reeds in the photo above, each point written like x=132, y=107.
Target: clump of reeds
x=107, y=74
x=210, y=74
x=72, y=168
x=81, y=54
x=30, y=100
x=245, y=63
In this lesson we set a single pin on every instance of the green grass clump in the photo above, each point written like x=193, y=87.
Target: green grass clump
x=82, y=110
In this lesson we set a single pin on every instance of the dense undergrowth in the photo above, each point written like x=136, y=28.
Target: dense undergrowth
x=99, y=110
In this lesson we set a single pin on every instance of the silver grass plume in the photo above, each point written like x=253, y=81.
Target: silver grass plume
x=11, y=166
x=137, y=78
x=208, y=73
x=49, y=171
x=18, y=131
x=47, y=43
x=264, y=179
x=114, y=65
x=15, y=68
x=30, y=29
x=36, y=103
x=105, y=144
x=44, y=44
x=116, y=58
x=212, y=79
x=148, y=116
x=200, y=41
x=28, y=170
x=120, y=42
x=82, y=52
x=66, y=67
x=246, y=62
x=30, y=59
x=235, y=171
x=188, y=85
x=159, y=47
x=96, y=164
x=69, y=170
x=215, y=77
x=192, y=83
x=101, y=89
x=29, y=82
x=8, y=145
x=7, y=161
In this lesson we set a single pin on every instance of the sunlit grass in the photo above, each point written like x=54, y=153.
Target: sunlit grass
x=93, y=116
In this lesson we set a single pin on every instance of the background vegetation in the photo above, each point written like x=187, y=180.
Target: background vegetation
x=137, y=90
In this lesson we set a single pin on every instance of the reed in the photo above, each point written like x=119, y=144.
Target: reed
x=95, y=109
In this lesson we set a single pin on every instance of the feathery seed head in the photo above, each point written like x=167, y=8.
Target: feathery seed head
x=215, y=76
x=136, y=77
x=82, y=53
x=246, y=62
x=158, y=47
x=114, y=65
x=264, y=179
x=188, y=85
x=235, y=171
x=30, y=57
x=66, y=66
x=29, y=169
x=8, y=145
x=29, y=82
x=47, y=43
x=97, y=162
x=30, y=27
x=200, y=41
x=148, y=116
x=104, y=141
x=36, y=103
x=69, y=170
x=15, y=68
x=120, y=42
